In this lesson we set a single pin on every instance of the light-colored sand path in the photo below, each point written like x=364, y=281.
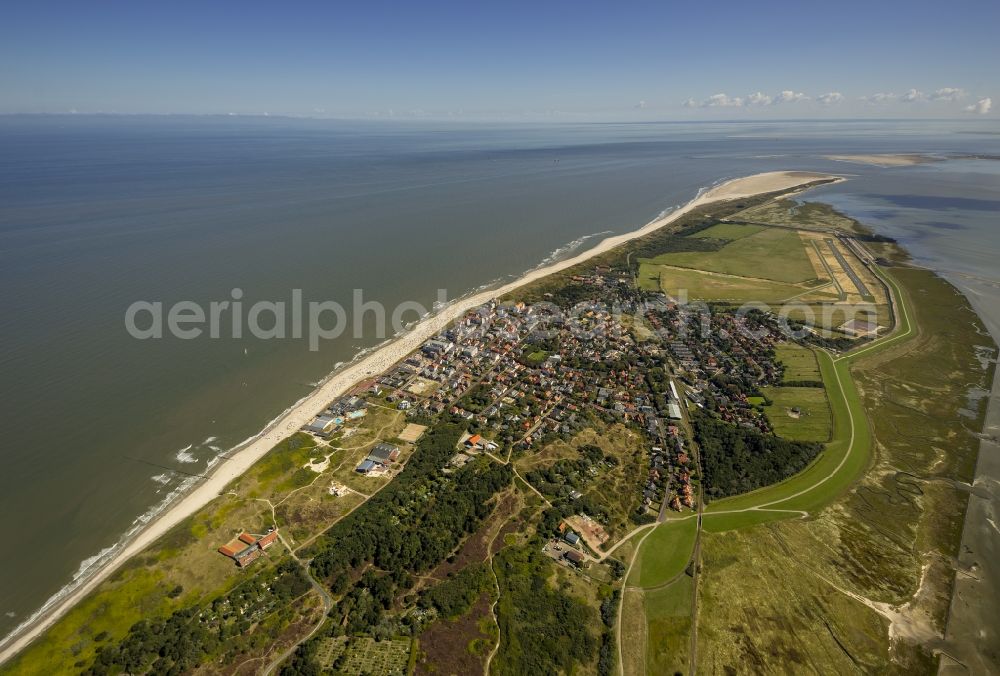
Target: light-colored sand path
x=339, y=382
x=896, y=160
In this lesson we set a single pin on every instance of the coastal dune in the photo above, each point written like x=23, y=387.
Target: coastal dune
x=887, y=160
x=241, y=458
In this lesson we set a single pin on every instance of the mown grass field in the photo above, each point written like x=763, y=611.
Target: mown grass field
x=813, y=420
x=800, y=362
x=891, y=535
x=665, y=553
x=775, y=254
x=690, y=284
x=728, y=231
x=668, y=623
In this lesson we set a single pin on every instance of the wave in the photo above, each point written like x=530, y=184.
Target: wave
x=92, y=564
x=162, y=479
x=568, y=248
x=184, y=455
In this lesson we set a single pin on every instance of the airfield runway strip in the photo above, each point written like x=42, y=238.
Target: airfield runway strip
x=829, y=271
x=858, y=284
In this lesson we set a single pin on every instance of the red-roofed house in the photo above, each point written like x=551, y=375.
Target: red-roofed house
x=246, y=548
x=268, y=539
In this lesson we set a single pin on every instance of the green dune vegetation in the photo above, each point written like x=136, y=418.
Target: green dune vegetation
x=658, y=498
x=774, y=254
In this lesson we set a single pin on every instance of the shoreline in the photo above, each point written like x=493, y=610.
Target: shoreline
x=971, y=628
x=887, y=160
x=237, y=460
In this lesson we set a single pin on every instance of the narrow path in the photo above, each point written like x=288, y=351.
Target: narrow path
x=902, y=331
x=496, y=601
x=621, y=610
x=324, y=597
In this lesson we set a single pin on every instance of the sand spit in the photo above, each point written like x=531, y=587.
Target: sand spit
x=337, y=383
x=884, y=160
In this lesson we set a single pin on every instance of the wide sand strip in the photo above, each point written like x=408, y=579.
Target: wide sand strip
x=896, y=160
x=339, y=382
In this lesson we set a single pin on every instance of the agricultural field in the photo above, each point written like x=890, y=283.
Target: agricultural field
x=878, y=556
x=358, y=655
x=799, y=413
x=665, y=553
x=774, y=254
x=799, y=362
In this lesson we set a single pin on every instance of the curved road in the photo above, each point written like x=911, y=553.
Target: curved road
x=903, y=330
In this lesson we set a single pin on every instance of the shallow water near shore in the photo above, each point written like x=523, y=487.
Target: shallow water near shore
x=96, y=213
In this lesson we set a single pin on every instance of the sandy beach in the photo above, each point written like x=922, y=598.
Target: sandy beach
x=243, y=457
x=884, y=160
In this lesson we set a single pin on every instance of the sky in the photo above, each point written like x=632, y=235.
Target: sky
x=504, y=60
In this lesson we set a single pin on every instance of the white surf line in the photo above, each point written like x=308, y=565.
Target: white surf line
x=376, y=360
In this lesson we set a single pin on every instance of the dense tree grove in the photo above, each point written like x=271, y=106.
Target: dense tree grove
x=409, y=527
x=179, y=643
x=740, y=459
x=802, y=383
x=417, y=520
x=543, y=630
x=675, y=242
x=453, y=597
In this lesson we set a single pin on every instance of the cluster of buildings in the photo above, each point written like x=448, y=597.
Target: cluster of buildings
x=724, y=358
x=246, y=548
x=522, y=373
x=336, y=414
x=379, y=459
x=566, y=548
x=518, y=373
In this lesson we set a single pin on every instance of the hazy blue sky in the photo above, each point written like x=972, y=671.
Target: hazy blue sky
x=559, y=59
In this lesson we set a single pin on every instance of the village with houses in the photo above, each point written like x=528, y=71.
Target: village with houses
x=522, y=375
x=579, y=433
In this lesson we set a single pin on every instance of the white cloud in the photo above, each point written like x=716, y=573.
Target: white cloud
x=913, y=95
x=756, y=99
x=722, y=101
x=948, y=94
x=880, y=97
x=830, y=98
x=980, y=107
x=788, y=96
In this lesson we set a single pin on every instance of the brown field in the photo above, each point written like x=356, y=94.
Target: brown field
x=592, y=532
x=458, y=646
x=412, y=432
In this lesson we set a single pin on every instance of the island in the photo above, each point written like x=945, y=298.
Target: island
x=735, y=440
